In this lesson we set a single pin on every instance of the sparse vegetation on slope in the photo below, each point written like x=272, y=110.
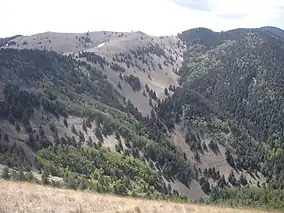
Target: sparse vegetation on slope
x=109, y=115
x=55, y=87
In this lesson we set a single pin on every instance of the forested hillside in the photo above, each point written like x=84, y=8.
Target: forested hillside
x=119, y=113
x=153, y=61
x=274, y=30
x=232, y=95
x=62, y=117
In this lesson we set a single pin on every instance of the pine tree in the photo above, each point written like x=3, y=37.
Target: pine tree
x=147, y=87
x=166, y=91
x=117, y=136
x=127, y=143
x=44, y=178
x=232, y=178
x=21, y=175
x=222, y=182
x=5, y=173
x=41, y=132
x=84, y=127
x=99, y=135
x=119, y=85
x=6, y=137
x=206, y=187
x=187, y=138
x=197, y=156
x=150, y=102
x=243, y=180
x=18, y=128
x=73, y=130
x=29, y=176
x=65, y=122
x=229, y=158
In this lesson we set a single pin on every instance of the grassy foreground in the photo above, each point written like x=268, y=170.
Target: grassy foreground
x=32, y=198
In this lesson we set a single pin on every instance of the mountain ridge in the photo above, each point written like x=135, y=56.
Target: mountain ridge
x=181, y=109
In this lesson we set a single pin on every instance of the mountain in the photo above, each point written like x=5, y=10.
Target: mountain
x=187, y=117
x=75, y=111
x=6, y=41
x=274, y=30
x=241, y=76
x=50, y=99
x=154, y=60
x=231, y=100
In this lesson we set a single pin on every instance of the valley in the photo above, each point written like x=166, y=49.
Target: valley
x=195, y=116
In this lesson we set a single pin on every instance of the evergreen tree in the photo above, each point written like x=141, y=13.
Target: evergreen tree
x=5, y=173
x=84, y=127
x=29, y=176
x=206, y=187
x=6, y=137
x=65, y=122
x=166, y=91
x=44, y=178
x=18, y=128
x=73, y=130
x=229, y=158
x=232, y=179
x=99, y=135
x=243, y=181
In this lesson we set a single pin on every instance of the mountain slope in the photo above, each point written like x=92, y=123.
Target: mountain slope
x=154, y=61
x=63, y=117
x=274, y=30
x=231, y=96
x=117, y=115
x=64, y=42
x=242, y=73
x=34, y=198
x=8, y=41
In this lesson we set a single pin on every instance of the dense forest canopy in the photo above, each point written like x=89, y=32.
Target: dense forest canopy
x=236, y=77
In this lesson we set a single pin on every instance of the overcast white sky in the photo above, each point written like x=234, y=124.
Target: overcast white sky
x=155, y=17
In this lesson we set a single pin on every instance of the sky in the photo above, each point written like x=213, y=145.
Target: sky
x=154, y=17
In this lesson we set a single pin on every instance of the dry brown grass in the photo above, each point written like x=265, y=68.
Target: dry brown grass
x=25, y=197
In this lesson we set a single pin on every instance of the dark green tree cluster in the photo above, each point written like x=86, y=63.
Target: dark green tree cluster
x=117, y=67
x=8, y=41
x=231, y=84
x=144, y=55
x=133, y=81
x=14, y=155
x=99, y=170
x=60, y=84
x=241, y=76
x=152, y=93
x=248, y=197
x=67, y=77
x=94, y=58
